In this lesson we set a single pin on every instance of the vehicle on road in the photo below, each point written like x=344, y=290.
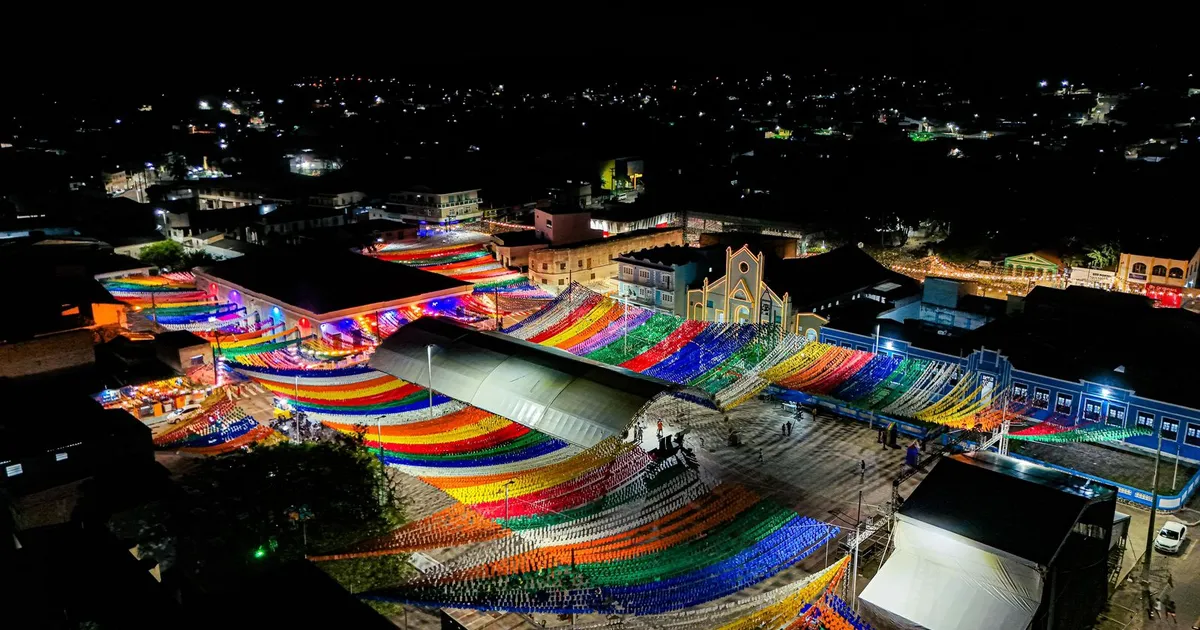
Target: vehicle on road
x=178, y=414
x=1170, y=538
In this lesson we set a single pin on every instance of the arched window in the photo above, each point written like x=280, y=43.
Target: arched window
x=1159, y=270
x=699, y=312
x=1176, y=272
x=811, y=334
x=1139, y=267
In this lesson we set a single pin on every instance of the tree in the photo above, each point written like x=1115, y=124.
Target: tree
x=280, y=502
x=164, y=255
x=178, y=167
x=1104, y=255
x=198, y=258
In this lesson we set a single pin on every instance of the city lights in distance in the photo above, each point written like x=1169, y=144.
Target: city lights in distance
x=1043, y=83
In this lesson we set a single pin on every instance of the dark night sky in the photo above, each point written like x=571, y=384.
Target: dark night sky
x=1006, y=43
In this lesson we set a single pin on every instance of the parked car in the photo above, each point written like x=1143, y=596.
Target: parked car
x=1170, y=537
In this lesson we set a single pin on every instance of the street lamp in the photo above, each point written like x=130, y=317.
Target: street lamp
x=429, y=358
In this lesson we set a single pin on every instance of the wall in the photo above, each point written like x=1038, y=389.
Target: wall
x=554, y=268
x=517, y=256
x=181, y=358
x=561, y=229
x=109, y=314
x=1086, y=400
x=50, y=353
x=1126, y=276
x=653, y=287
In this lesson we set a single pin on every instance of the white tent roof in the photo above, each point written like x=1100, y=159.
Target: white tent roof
x=573, y=399
x=940, y=581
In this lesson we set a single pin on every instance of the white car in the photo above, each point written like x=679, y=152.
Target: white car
x=1170, y=538
x=178, y=414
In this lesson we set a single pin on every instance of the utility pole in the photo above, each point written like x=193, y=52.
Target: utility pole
x=154, y=309
x=1150, y=525
x=625, y=318
x=496, y=298
x=429, y=357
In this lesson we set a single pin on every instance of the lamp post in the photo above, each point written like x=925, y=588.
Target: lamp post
x=429, y=358
x=506, y=485
x=1150, y=525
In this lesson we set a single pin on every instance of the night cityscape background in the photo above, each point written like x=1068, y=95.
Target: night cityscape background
x=723, y=322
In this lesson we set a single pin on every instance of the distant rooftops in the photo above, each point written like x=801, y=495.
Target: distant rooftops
x=817, y=279
x=669, y=256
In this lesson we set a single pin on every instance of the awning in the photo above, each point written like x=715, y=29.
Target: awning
x=940, y=581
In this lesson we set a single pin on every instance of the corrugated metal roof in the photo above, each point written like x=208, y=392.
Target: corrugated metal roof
x=573, y=399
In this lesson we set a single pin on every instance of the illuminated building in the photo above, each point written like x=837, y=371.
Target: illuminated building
x=1177, y=269
x=797, y=294
x=592, y=261
x=318, y=291
x=441, y=206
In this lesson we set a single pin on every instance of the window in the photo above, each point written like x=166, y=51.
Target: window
x=589, y=263
x=12, y=470
x=561, y=282
x=668, y=298
x=545, y=281
x=197, y=360
x=1062, y=404
x=549, y=223
x=1139, y=268
x=562, y=266
x=1159, y=270
x=1116, y=416
x=1145, y=420
x=1176, y=273
x=1041, y=398
x=744, y=267
x=1192, y=437
x=1020, y=392
x=545, y=267
x=61, y=457
x=579, y=263
x=710, y=304
x=1091, y=410
x=1170, y=429
x=593, y=276
x=644, y=274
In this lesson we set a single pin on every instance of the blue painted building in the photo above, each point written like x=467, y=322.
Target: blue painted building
x=1071, y=357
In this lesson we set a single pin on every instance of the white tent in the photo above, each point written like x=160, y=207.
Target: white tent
x=938, y=580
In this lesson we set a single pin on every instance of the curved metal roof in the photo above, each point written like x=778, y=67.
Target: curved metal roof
x=571, y=398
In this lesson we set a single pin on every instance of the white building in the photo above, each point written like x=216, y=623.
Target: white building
x=422, y=203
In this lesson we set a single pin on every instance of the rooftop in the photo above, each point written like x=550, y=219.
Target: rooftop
x=668, y=256
x=569, y=397
x=816, y=279
x=521, y=238
x=1029, y=512
x=179, y=339
x=616, y=237
x=325, y=281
